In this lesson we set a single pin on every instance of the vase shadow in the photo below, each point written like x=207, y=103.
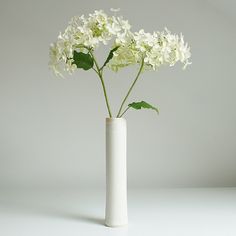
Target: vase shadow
x=37, y=208
x=86, y=218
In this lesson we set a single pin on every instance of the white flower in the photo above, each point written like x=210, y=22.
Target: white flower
x=84, y=32
x=115, y=9
x=126, y=54
x=156, y=49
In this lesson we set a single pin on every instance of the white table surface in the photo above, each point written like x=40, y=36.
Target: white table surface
x=160, y=212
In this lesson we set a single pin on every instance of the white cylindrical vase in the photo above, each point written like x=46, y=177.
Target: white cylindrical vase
x=116, y=173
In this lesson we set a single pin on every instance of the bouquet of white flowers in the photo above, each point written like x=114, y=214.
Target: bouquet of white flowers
x=75, y=48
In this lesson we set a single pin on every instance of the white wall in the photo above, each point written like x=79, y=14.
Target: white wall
x=52, y=130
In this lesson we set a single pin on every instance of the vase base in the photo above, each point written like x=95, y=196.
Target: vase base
x=116, y=225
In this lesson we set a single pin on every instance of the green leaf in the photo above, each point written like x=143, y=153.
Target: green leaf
x=109, y=56
x=142, y=104
x=83, y=60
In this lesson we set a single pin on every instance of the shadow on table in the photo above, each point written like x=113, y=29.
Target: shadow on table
x=36, y=208
x=80, y=217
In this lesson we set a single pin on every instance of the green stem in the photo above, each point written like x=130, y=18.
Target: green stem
x=99, y=73
x=125, y=111
x=130, y=89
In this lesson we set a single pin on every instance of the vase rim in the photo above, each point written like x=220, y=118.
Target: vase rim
x=114, y=118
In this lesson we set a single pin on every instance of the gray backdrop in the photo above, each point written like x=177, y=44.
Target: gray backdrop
x=52, y=130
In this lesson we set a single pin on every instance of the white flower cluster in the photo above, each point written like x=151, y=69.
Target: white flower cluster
x=84, y=32
x=155, y=49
